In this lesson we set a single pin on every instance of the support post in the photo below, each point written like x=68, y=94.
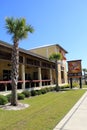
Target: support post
x=51, y=77
x=23, y=76
x=80, y=80
x=23, y=73
x=40, y=76
x=5, y=87
x=71, y=83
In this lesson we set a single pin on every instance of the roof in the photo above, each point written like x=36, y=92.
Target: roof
x=5, y=44
x=49, y=46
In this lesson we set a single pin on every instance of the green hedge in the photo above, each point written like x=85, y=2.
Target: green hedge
x=34, y=92
x=3, y=100
x=38, y=92
x=65, y=86
x=8, y=97
x=43, y=90
x=26, y=93
x=21, y=96
x=75, y=84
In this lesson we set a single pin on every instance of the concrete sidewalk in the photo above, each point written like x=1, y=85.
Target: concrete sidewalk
x=76, y=119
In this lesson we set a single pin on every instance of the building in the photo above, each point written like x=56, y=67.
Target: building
x=46, y=51
x=35, y=69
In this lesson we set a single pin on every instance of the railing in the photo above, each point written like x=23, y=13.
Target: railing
x=6, y=85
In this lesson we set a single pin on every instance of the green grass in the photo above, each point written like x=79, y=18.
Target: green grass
x=44, y=113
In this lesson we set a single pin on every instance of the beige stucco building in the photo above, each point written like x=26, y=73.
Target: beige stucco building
x=48, y=50
x=35, y=69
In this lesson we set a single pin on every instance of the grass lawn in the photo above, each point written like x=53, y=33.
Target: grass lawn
x=44, y=113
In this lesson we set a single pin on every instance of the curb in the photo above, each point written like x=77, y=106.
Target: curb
x=69, y=115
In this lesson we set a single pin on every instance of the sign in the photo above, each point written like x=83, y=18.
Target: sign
x=74, y=69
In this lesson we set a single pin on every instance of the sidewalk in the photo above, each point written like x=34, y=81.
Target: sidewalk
x=76, y=119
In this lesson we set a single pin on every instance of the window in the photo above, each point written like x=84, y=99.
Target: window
x=27, y=76
x=47, y=65
x=35, y=75
x=6, y=74
x=32, y=62
x=62, y=77
x=5, y=55
x=20, y=59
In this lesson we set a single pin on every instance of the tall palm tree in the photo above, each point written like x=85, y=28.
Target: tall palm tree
x=19, y=30
x=56, y=57
x=84, y=71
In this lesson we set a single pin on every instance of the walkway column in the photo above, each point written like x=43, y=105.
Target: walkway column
x=65, y=71
x=23, y=73
x=5, y=87
x=51, y=77
x=71, y=83
x=40, y=76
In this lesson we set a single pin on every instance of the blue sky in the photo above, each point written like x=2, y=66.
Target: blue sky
x=62, y=22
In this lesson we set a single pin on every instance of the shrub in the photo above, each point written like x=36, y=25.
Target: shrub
x=38, y=92
x=26, y=93
x=65, y=86
x=8, y=97
x=57, y=88
x=48, y=89
x=43, y=90
x=21, y=96
x=34, y=92
x=52, y=88
x=3, y=100
x=75, y=84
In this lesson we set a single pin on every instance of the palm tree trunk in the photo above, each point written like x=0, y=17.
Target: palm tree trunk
x=14, y=73
x=57, y=82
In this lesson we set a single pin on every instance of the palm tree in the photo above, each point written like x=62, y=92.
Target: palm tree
x=55, y=57
x=19, y=30
x=84, y=71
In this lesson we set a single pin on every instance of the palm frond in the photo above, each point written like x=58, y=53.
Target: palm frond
x=29, y=28
x=10, y=25
x=55, y=56
x=18, y=28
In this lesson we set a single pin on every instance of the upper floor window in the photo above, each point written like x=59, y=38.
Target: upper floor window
x=21, y=59
x=32, y=62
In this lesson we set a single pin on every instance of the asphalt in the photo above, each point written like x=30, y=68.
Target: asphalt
x=76, y=119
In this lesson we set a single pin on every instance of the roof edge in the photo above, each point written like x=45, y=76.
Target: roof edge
x=8, y=45
x=48, y=46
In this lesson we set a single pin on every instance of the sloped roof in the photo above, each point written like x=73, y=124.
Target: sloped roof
x=5, y=44
x=48, y=45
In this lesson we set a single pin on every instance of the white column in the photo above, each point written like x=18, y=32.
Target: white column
x=40, y=76
x=51, y=76
x=65, y=73
x=23, y=73
x=59, y=74
x=5, y=87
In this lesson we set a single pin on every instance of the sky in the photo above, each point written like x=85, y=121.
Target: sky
x=62, y=22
